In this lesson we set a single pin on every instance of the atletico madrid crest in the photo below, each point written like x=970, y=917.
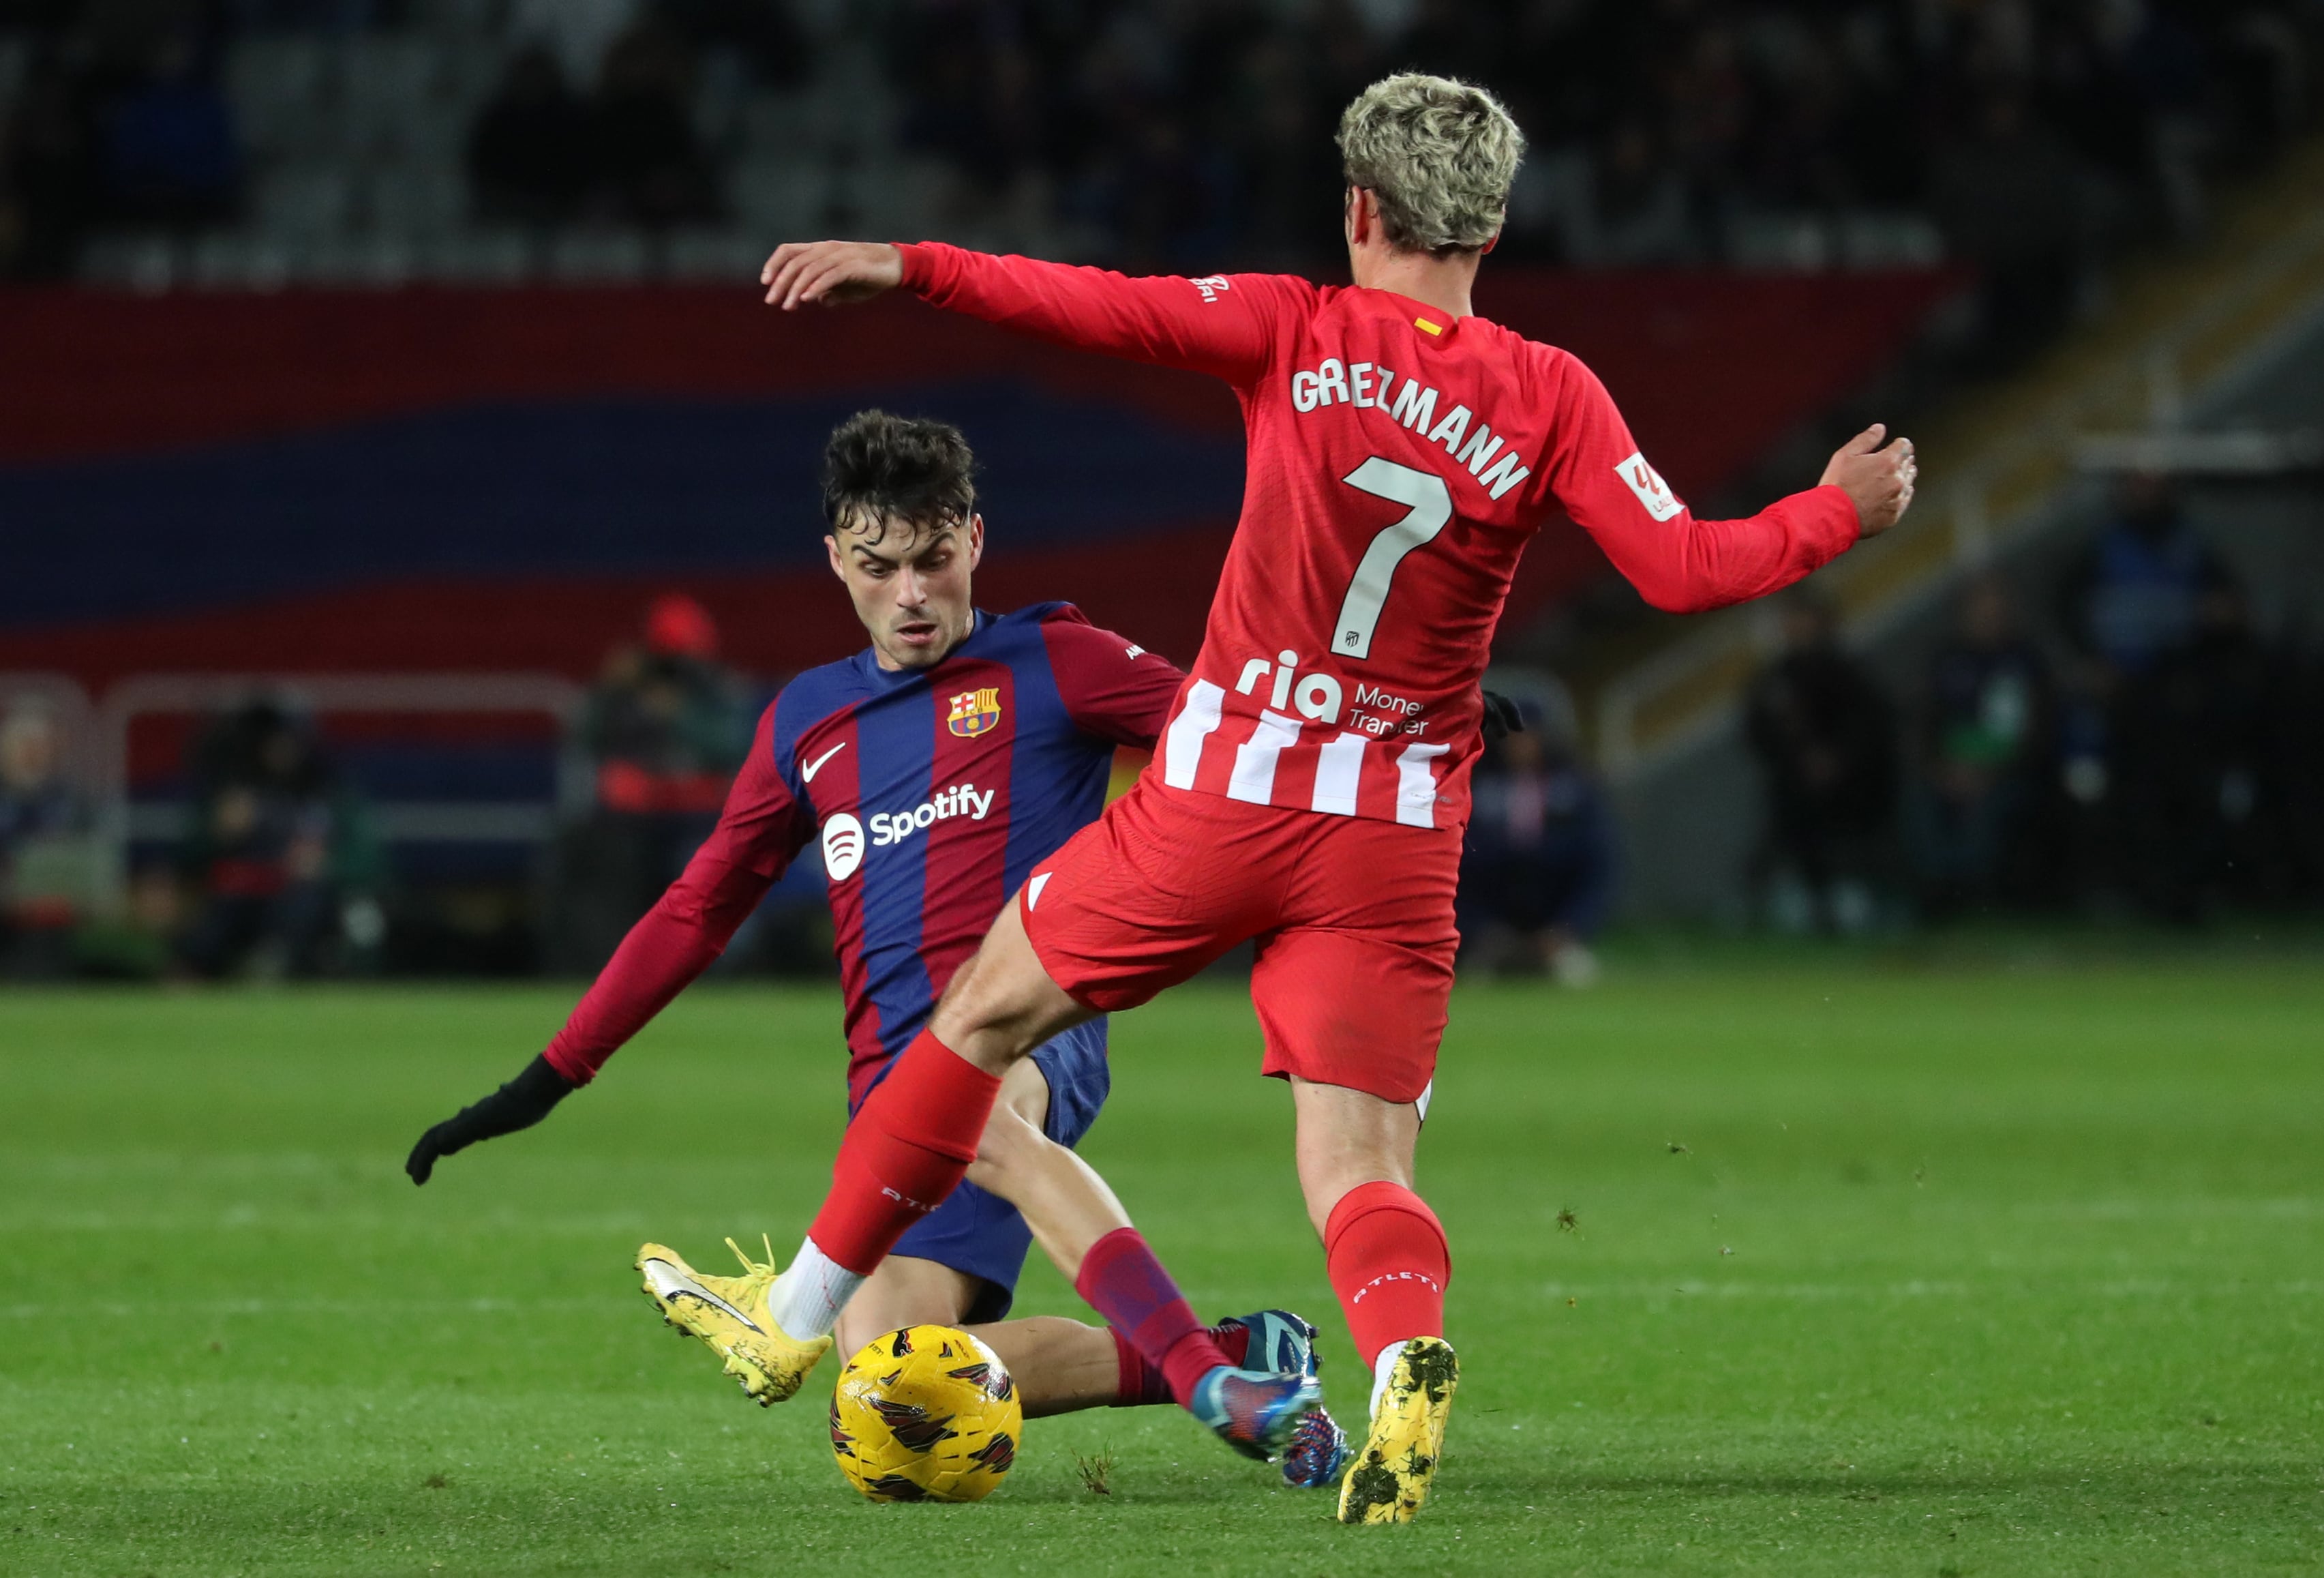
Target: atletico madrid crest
x=975, y=712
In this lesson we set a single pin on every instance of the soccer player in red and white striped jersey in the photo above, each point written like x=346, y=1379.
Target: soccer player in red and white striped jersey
x=1311, y=786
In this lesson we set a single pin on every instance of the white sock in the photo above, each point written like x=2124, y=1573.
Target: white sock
x=806, y=1301
x=1383, y=1370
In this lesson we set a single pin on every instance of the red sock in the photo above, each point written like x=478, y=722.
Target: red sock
x=1141, y=1384
x=1123, y=1282
x=1385, y=1252
x=907, y=1149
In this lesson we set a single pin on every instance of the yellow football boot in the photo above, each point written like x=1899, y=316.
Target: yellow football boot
x=1389, y=1478
x=730, y=1315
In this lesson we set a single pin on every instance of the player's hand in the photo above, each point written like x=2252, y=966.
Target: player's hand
x=832, y=273
x=1502, y=716
x=520, y=1104
x=1880, y=481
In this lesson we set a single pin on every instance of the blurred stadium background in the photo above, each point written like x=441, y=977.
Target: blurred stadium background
x=405, y=503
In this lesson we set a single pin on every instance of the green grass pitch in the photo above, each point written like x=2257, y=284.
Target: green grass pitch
x=1873, y=1269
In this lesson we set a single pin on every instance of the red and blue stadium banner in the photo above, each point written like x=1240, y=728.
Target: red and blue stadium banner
x=474, y=480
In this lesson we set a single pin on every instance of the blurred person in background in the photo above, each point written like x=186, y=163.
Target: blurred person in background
x=2204, y=742
x=665, y=729
x=2129, y=605
x=2131, y=600
x=650, y=167
x=282, y=860
x=1985, y=759
x=2010, y=199
x=2302, y=721
x=527, y=150
x=1537, y=868
x=37, y=796
x=769, y=39
x=1825, y=737
x=540, y=154
x=43, y=814
x=48, y=186
x=170, y=155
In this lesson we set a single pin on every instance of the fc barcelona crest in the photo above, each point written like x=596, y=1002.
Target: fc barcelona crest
x=975, y=712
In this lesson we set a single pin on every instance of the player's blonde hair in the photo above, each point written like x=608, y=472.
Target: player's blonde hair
x=1439, y=155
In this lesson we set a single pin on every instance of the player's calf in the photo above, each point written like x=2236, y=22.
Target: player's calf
x=1268, y=1340
x=1389, y=1263
x=1258, y=1412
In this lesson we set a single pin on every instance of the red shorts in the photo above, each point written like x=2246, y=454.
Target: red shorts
x=1353, y=917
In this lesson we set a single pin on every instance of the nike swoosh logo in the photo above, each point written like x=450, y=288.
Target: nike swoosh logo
x=671, y=1285
x=806, y=773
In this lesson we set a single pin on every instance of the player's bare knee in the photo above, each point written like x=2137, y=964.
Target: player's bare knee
x=999, y=1165
x=1012, y=1152
x=977, y=1015
x=905, y=1291
x=1002, y=1004
x=1006, y=1139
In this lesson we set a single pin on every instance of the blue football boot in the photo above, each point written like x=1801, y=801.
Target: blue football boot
x=1318, y=1452
x=1257, y=1412
x=1285, y=1343
x=1280, y=1340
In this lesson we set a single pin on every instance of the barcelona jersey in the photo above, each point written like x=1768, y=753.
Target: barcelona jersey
x=931, y=793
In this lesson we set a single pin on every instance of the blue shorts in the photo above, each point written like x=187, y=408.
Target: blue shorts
x=978, y=1232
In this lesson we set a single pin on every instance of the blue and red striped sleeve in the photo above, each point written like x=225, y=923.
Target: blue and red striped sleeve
x=1112, y=687
x=763, y=826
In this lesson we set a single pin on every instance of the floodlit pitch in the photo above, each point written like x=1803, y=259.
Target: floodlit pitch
x=1966, y=1268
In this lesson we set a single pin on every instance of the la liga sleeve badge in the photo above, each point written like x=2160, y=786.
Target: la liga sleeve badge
x=1648, y=482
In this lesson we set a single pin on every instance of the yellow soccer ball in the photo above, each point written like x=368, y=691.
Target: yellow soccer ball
x=926, y=1414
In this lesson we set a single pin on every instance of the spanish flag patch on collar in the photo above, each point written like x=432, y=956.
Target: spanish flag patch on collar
x=1426, y=327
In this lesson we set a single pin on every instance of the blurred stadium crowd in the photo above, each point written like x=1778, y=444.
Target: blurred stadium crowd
x=2137, y=747
x=241, y=141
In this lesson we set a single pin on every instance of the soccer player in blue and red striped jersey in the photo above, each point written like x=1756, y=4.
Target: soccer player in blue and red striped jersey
x=938, y=767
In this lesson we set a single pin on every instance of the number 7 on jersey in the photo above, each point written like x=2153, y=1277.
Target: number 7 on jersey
x=1431, y=504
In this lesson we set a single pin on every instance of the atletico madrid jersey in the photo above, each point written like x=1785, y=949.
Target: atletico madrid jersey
x=1399, y=458
x=932, y=793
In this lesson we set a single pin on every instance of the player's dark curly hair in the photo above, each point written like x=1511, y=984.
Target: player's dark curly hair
x=880, y=467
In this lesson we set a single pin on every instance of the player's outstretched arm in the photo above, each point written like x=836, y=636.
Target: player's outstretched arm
x=1221, y=325
x=1682, y=563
